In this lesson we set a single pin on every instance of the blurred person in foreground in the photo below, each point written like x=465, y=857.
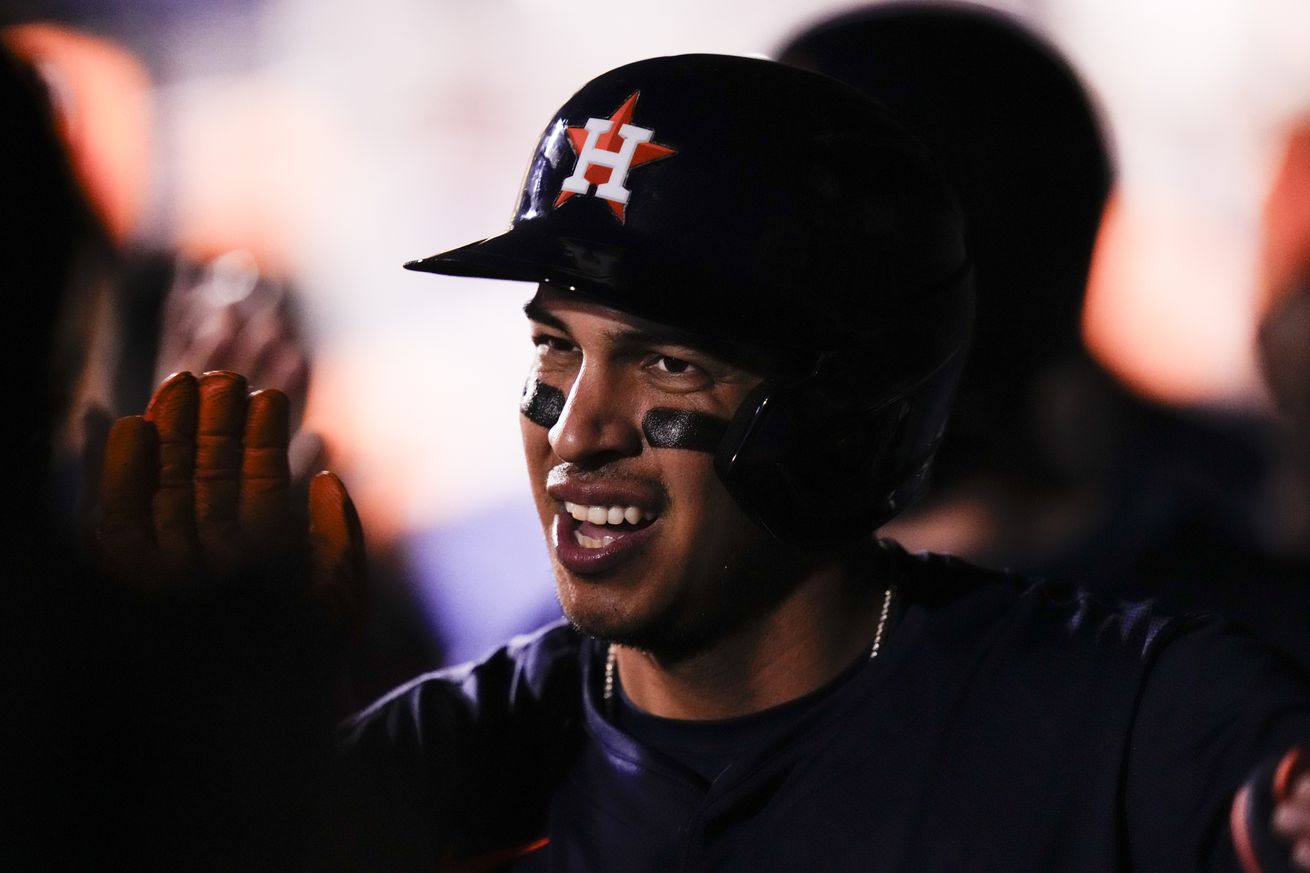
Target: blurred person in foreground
x=1049, y=466
x=753, y=302
x=152, y=721
x=1284, y=333
x=1284, y=347
x=152, y=311
x=200, y=303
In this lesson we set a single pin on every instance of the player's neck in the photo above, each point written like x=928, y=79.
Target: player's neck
x=795, y=648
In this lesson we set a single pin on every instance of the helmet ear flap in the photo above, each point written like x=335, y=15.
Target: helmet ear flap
x=749, y=458
x=826, y=458
x=806, y=465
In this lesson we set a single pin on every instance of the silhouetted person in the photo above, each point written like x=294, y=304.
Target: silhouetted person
x=150, y=722
x=1049, y=466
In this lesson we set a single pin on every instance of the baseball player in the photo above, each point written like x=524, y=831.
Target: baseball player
x=752, y=308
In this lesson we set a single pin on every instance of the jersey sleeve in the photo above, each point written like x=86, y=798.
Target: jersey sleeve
x=1215, y=708
x=454, y=762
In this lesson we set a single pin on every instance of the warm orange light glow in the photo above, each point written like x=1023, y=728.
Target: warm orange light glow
x=1285, y=246
x=1167, y=306
x=102, y=96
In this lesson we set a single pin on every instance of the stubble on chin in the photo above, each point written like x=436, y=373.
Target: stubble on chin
x=596, y=615
x=740, y=592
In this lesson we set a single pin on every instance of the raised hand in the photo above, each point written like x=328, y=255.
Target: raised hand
x=1292, y=806
x=1270, y=817
x=200, y=488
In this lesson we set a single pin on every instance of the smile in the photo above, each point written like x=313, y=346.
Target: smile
x=619, y=520
x=592, y=539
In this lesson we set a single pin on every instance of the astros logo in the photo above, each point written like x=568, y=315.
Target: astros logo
x=600, y=164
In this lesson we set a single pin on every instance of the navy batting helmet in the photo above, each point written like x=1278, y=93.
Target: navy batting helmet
x=745, y=200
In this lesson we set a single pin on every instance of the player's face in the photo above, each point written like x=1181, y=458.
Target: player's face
x=647, y=545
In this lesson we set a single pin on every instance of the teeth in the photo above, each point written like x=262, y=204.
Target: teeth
x=607, y=514
x=591, y=542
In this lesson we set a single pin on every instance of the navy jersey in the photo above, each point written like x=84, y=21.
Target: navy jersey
x=1006, y=726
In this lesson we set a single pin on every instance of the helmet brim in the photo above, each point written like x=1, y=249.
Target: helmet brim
x=614, y=275
x=529, y=253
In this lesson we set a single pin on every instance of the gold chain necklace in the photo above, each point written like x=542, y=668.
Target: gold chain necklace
x=887, y=595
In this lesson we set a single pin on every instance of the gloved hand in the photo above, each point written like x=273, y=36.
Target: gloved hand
x=1270, y=819
x=199, y=488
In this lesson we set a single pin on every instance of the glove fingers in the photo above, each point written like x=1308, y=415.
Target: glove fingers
x=1291, y=767
x=173, y=410
x=124, y=530
x=336, y=537
x=220, y=429
x=264, y=502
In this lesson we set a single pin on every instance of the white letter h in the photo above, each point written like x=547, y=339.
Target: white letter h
x=618, y=162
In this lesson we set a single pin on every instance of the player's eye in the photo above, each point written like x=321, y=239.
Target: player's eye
x=673, y=373
x=546, y=342
x=672, y=365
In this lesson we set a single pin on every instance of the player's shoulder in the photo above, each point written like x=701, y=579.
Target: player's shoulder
x=969, y=605
x=431, y=763
x=532, y=678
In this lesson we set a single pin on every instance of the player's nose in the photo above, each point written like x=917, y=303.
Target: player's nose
x=598, y=423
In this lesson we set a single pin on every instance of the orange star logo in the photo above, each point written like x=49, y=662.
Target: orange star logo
x=607, y=148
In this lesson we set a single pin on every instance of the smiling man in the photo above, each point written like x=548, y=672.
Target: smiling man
x=752, y=307
x=651, y=551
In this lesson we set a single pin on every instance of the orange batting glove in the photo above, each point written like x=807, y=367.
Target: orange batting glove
x=1270, y=819
x=199, y=487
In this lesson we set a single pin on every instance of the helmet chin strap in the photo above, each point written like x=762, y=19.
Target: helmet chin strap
x=543, y=404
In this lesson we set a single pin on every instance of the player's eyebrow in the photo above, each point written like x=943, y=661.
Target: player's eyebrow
x=656, y=334
x=538, y=313
x=650, y=333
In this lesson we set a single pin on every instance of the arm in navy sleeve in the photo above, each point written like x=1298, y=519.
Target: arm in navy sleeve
x=459, y=762
x=1216, y=708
